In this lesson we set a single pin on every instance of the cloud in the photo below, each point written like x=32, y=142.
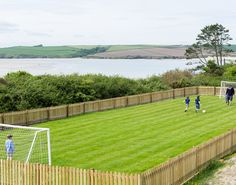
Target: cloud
x=38, y=34
x=6, y=27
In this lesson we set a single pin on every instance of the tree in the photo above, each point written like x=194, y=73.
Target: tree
x=212, y=41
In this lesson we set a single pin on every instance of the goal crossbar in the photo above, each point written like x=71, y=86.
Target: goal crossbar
x=24, y=127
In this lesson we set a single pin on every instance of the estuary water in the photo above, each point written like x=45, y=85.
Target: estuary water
x=131, y=68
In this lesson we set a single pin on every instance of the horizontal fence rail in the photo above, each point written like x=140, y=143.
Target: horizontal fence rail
x=33, y=116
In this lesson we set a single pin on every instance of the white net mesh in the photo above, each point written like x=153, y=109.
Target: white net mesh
x=224, y=86
x=30, y=144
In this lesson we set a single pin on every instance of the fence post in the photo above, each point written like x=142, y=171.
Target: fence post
x=197, y=88
x=67, y=111
x=26, y=117
x=114, y=103
x=214, y=90
x=184, y=92
x=2, y=118
x=150, y=97
x=140, y=179
x=173, y=93
x=99, y=105
x=48, y=112
x=197, y=158
x=139, y=99
x=83, y=108
x=232, y=140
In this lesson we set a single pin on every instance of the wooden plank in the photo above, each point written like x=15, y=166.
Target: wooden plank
x=15, y=118
x=58, y=112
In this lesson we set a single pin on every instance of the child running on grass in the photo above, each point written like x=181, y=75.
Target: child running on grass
x=187, y=101
x=9, y=147
x=197, y=103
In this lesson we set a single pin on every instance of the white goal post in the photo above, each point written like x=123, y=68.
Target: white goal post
x=31, y=144
x=224, y=85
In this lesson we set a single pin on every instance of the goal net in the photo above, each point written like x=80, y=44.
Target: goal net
x=224, y=85
x=31, y=145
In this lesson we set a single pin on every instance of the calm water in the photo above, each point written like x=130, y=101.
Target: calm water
x=135, y=68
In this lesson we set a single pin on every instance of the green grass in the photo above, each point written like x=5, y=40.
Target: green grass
x=28, y=51
x=137, y=138
x=44, y=51
x=86, y=46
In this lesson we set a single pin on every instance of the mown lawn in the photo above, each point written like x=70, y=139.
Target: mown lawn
x=137, y=138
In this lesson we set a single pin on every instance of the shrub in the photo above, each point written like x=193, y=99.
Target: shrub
x=213, y=69
x=230, y=71
x=177, y=78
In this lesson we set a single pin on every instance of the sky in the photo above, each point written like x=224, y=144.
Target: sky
x=88, y=22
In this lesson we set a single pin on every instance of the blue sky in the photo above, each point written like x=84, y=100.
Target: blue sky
x=71, y=22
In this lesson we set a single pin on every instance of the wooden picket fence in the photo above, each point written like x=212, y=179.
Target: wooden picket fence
x=33, y=116
x=173, y=172
x=183, y=167
x=18, y=173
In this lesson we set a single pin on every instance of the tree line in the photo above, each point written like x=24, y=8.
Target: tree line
x=21, y=90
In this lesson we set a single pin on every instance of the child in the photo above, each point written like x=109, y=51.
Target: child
x=197, y=103
x=187, y=101
x=229, y=95
x=9, y=147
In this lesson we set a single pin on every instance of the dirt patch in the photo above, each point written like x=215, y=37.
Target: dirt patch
x=144, y=53
x=149, y=53
x=225, y=175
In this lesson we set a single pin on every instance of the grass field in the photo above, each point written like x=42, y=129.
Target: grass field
x=137, y=138
x=28, y=51
x=44, y=51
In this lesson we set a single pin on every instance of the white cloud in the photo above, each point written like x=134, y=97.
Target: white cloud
x=55, y=22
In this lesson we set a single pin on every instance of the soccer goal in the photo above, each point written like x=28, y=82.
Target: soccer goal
x=32, y=145
x=224, y=85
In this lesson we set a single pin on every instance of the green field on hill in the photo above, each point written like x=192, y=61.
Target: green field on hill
x=72, y=51
x=137, y=138
x=49, y=51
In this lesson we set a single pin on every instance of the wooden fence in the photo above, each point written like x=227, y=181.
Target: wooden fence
x=18, y=173
x=33, y=116
x=175, y=171
x=183, y=167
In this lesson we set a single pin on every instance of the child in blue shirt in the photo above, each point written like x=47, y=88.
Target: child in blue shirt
x=187, y=101
x=197, y=103
x=9, y=147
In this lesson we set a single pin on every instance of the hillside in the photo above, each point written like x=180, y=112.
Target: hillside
x=149, y=53
x=49, y=51
x=97, y=51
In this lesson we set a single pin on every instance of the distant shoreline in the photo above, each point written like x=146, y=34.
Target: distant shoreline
x=97, y=52
x=93, y=57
